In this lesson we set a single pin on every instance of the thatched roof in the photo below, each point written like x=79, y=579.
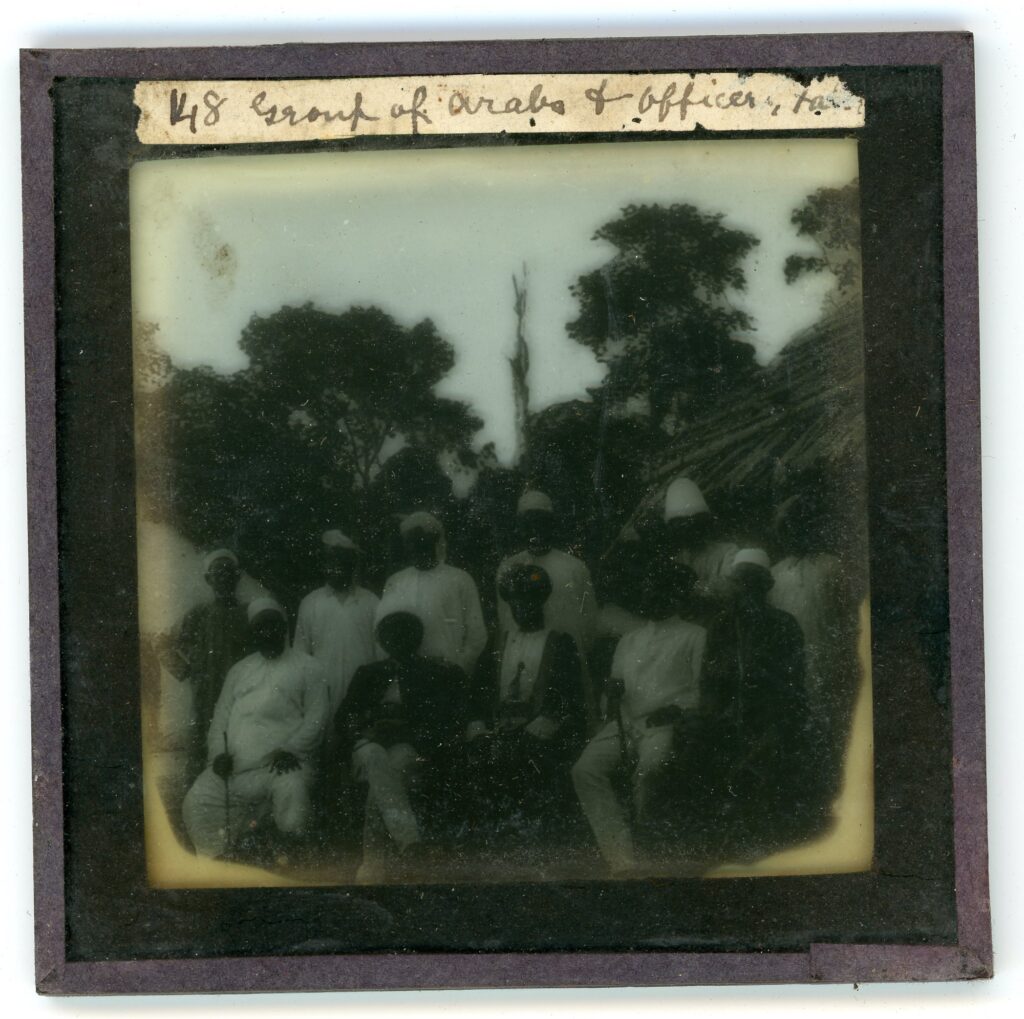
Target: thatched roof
x=805, y=412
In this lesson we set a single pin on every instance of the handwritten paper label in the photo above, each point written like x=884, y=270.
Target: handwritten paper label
x=231, y=112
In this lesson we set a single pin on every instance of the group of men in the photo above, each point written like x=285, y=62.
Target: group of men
x=721, y=691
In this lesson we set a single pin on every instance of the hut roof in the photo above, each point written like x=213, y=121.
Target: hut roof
x=805, y=410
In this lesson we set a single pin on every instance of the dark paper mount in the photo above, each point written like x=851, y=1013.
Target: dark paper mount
x=920, y=913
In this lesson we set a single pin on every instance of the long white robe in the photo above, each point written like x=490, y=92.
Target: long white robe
x=266, y=704
x=336, y=628
x=446, y=601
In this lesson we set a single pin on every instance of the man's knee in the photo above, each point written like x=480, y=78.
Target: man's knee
x=368, y=758
x=291, y=800
x=590, y=770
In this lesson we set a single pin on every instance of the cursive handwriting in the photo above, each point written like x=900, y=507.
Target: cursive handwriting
x=272, y=116
x=484, y=104
x=459, y=102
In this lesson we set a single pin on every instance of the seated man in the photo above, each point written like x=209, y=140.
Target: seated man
x=269, y=722
x=529, y=714
x=400, y=715
x=655, y=685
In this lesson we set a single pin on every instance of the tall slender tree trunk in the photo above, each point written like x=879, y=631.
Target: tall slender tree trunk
x=519, y=362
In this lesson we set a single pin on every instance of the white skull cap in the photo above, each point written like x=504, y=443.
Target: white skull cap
x=425, y=521
x=752, y=557
x=218, y=553
x=335, y=539
x=684, y=499
x=260, y=605
x=534, y=500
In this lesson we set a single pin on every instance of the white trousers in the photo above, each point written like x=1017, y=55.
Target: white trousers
x=216, y=814
x=389, y=815
x=592, y=778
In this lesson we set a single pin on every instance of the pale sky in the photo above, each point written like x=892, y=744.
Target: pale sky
x=439, y=233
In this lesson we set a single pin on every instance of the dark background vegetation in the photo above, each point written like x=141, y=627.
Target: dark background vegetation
x=335, y=421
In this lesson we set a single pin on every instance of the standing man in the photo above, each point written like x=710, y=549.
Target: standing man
x=444, y=598
x=335, y=622
x=211, y=638
x=690, y=533
x=402, y=722
x=572, y=606
x=813, y=585
x=267, y=727
x=755, y=701
x=655, y=685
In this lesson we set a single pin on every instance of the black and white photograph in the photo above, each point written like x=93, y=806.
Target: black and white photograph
x=502, y=513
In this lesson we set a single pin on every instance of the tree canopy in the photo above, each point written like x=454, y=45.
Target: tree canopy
x=830, y=217
x=294, y=442
x=659, y=312
x=353, y=381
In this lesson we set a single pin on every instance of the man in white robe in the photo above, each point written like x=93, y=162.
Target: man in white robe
x=444, y=597
x=690, y=531
x=335, y=622
x=572, y=607
x=267, y=727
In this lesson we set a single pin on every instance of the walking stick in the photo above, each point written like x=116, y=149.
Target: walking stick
x=625, y=753
x=227, y=803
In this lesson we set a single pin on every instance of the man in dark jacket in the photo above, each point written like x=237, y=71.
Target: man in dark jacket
x=403, y=720
x=755, y=703
x=529, y=715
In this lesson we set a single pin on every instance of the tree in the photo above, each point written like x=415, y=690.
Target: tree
x=354, y=382
x=659, y=312
x=293, y=443
x=830, y=217
x=519, y=363
x=588, y=463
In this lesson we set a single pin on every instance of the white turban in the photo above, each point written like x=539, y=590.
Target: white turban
x=335, y=539
x=534, y=501
x=264, y=604
x=751, y=557
x=217, y=554
x=684, y=499
x=425, y=521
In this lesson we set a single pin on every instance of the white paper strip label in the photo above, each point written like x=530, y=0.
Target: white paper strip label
x=233, y=112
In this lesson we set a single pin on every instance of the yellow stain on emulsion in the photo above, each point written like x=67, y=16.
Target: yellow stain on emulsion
x=170, y=865
x=849, y=847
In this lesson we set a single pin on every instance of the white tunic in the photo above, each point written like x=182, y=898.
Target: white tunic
x=447, y=603
x=336, y=628
x=269, y=704
x=571, y=608
x=659, y=665
x=813, y=589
